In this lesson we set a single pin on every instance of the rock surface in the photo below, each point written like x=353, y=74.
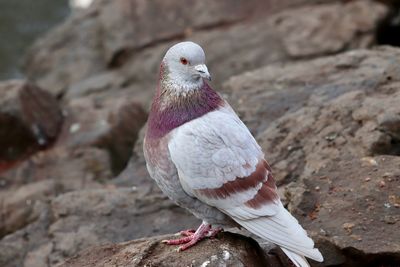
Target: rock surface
x=46, y=175
x=326, y=123
x=109, y=123
x=354, y=204
x=30, y=118
x=327, y=126
x=97, y=59
x=321, y=110
x=328, y=29
x=226, y=250
x=76, y=220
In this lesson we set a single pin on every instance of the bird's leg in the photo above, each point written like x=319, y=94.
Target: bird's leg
x=190, y=238
x=201, y=232
x=213, y=232
x=188, y=232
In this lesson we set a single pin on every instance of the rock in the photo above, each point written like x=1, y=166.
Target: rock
x=136, y=171
x=77, y=220
x=15, y=247
x=20, y=207
x=107, y=31
x=73, y=168
x=330, y=28
x=109, y=123
x=30, y=119
x=75, y=161
x=237, y=35
x=226, y=250
x=321, y=110
x=38, y=257
x=350, y=212
x=46, y=175
x=326, y=123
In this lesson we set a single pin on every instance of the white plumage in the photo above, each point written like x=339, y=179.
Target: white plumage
x=212, y=150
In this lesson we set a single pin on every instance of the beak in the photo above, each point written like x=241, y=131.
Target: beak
x=203, y=71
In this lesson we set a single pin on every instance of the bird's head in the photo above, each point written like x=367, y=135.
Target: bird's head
x=185, y=66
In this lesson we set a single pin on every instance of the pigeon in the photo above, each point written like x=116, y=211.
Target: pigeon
x=204, y=158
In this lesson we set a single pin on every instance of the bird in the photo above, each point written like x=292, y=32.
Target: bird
x=204, y=158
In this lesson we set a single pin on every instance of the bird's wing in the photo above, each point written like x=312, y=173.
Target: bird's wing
x=220, y=163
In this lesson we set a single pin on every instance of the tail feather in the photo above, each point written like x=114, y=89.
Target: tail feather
x=284, y=230
x=297, y=259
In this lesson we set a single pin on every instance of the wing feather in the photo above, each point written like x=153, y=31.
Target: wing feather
x=220, y=163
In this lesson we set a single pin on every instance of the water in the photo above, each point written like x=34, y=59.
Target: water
x=21, y=22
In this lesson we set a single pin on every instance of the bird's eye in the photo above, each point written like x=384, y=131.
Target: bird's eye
x=184, y=61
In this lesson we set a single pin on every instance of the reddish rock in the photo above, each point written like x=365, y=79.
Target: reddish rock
x=330, y=28
x=46, y=175
x=109, y=123
x=19, y=207
x=30, y=119
x=321, y=110
x=226, y=250
x=112, y=47
x=324, y=124
x=77, y=220
x=349, y=212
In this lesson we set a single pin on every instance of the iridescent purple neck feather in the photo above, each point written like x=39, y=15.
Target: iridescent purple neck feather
x=170, y=110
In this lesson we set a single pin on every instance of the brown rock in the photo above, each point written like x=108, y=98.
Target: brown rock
x=320, y=110
x=37, y=258
x=136, y=172
x=329, y=28
x=237, y=36
x=226, y=250
x=15, y=247
x=109, y=123
x=104, y=34
x=43, y=176
x=77, y=220
x=353, y=213
x=324, y=123
x=30, y=118
x=21, y=206
x=73, y=168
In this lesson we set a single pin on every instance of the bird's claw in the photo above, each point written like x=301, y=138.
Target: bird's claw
x=188, y=232
x=192, y=237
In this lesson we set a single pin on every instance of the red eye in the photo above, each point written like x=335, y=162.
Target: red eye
x=184, y=61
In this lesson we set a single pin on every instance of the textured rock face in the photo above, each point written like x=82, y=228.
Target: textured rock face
x=74, y=221
x=326, y=125
x=328, y=28
x=109, y=123
x=44, y=176
x=30, y=118
x=111, y=29
x=335, y=116
x=354, y=205
x=111, y=47
x=227, y=250
x=321, y=110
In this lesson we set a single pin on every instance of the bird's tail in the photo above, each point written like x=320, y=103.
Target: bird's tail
x=284, y=230
x=298, y=260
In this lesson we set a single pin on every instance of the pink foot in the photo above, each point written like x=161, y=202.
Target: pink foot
x=193, y=237
x=188, y=232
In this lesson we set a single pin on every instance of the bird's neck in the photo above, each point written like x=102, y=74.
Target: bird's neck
x=171, y=109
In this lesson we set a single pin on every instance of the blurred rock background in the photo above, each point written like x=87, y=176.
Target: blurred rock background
x=310, y=78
